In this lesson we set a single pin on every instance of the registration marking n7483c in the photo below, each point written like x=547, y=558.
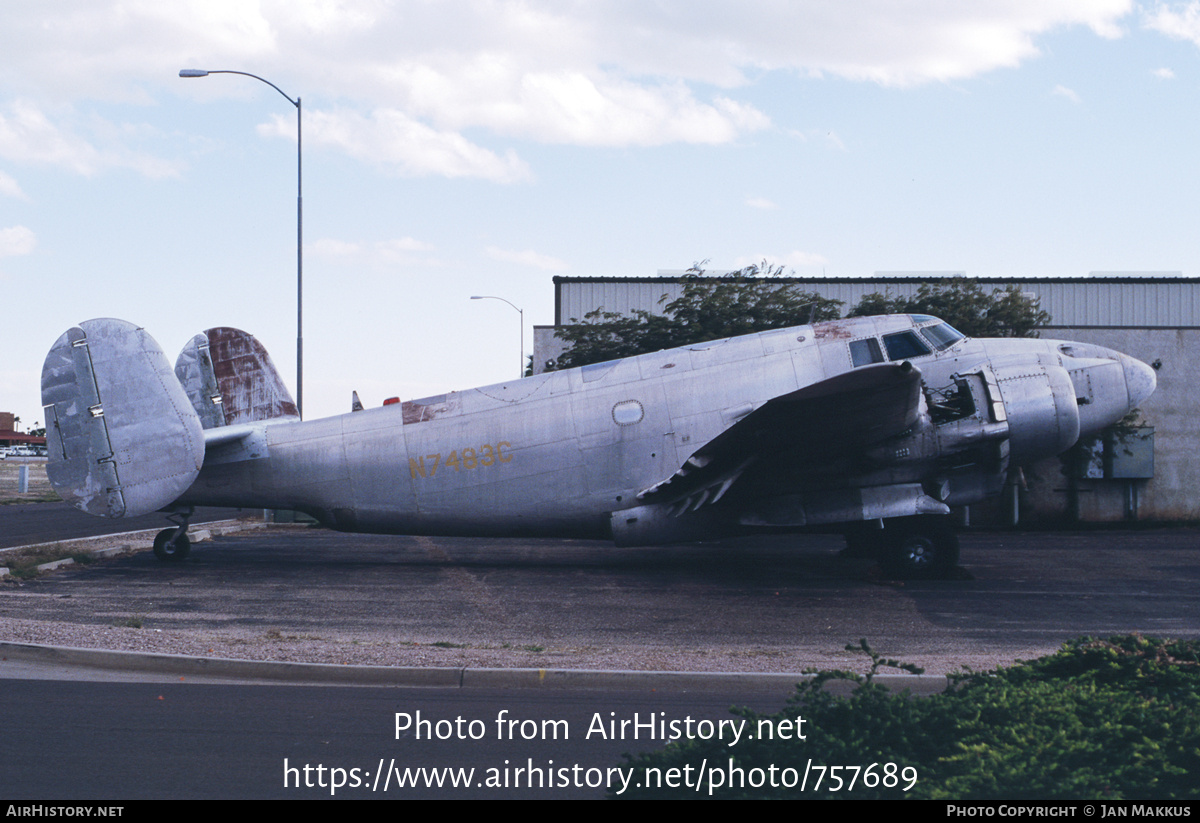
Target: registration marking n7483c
x=464, y=459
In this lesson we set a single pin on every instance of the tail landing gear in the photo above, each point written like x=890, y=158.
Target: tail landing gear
x=173, y=544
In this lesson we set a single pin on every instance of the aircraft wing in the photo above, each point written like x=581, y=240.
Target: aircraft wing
x=812, y=426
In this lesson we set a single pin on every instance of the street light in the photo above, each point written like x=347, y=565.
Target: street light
x=299, y=229
x=522, y=322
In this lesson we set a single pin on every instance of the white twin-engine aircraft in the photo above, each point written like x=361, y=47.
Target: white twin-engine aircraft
x=871, y=425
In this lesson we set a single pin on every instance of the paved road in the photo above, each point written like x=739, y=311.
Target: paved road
x=761, y=602
x=130, y=741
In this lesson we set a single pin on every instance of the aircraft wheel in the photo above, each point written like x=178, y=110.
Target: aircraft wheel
x=922, y=550
x=174, y=550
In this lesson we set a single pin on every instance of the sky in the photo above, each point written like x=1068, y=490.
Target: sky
x=481, y=147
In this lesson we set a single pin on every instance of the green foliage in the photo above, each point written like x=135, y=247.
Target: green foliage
x=709, y=308
x=1116, y=718
x=964, y=304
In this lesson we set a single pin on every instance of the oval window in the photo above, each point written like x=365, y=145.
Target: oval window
x=627, y=412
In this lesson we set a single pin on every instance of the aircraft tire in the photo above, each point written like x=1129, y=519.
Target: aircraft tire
x=168, y=550
x=922, y=550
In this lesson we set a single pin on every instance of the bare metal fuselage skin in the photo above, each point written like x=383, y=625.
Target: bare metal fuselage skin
x=567, y=453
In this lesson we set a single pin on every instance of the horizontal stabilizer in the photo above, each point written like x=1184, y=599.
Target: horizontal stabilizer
x=230, y=379
x=121, y=437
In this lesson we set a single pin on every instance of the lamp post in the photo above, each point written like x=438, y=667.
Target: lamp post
x=521, y=312
x=299, y=228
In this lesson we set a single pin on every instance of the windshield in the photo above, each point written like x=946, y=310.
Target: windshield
x=942, y=336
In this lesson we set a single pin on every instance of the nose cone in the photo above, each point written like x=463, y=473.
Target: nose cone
x=1140, y=380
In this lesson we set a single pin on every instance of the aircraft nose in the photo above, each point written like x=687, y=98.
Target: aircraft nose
x=1140, y=380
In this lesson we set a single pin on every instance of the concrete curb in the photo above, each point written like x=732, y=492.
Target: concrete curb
x=142, y=539
x=435, y=677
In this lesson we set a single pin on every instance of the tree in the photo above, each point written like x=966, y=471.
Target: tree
x=964, y=304
x=749, y=300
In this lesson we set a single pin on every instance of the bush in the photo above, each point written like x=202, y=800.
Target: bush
x=1116, y=718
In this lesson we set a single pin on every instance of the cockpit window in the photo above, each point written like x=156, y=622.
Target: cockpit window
x=904, y=345
x=942, y=336
x=864, y=352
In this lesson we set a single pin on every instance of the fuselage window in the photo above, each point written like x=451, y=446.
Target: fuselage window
x=865, y=352
x=904, y=345
x=942, y=336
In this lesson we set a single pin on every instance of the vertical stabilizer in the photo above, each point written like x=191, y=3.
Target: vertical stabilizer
x=230, y=379
x=121, y=437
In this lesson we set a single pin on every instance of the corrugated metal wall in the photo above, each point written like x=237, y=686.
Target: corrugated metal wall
x=1097, y=302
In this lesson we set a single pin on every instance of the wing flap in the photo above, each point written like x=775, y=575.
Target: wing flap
x=844, y=414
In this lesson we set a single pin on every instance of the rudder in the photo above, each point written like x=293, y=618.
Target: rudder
x=230, y=379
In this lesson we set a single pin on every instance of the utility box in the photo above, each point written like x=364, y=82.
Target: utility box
x=1117, y=454
x=1129, y=453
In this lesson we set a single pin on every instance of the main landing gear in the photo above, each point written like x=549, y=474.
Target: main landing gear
x=922, y=548
x=173, y=544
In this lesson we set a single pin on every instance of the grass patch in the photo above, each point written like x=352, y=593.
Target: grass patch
x=30, y=497
x=23, y=563
x=446, y=644
x=40, y=490
x=134, y=621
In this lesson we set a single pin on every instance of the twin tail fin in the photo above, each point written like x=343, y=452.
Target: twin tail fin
x=126, y=433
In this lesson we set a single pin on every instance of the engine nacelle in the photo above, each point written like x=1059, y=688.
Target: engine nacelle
x=1043, y=415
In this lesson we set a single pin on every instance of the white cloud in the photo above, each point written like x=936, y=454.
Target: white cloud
x=10, y=187
x=1063, y=91
x=396, y=250
x=16, y=241
x=797, y=259
x=395, y=141
x=329, y=247
x=527, y=258
x=27, y=135
x=803, y=259
x=1180, y=23
x=606, y=73
x=1164, y=74
x=404, y=250
x=760, y=203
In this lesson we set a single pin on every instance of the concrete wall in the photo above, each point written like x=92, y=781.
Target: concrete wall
x=1173, y=494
